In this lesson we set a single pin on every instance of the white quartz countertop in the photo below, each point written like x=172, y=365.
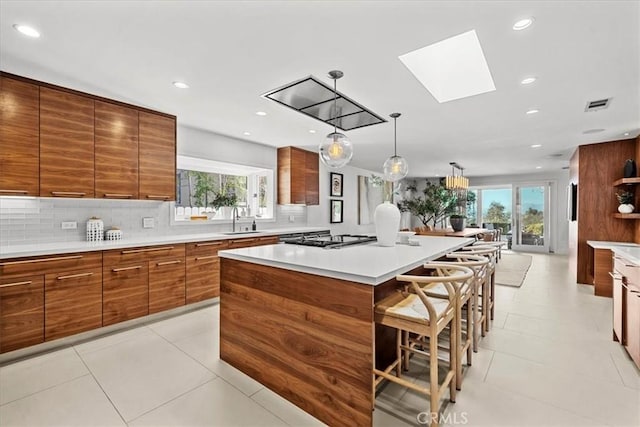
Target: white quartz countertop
x=630, y=253
x=598, y=244
x=80, y=246
x=367, y=263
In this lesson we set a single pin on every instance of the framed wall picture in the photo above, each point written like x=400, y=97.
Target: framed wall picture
x=336, y=211
x=336, y=184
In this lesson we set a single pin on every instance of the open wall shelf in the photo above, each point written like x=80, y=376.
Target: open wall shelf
x=626, y=181
x=627, y=216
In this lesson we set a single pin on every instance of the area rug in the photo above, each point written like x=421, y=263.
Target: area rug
x=512, y=269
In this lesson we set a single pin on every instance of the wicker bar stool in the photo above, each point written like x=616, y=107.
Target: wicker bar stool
x=413, y=311
x=488, y=290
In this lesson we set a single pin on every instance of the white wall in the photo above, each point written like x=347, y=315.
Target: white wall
x=318, y=216
x=558, y=216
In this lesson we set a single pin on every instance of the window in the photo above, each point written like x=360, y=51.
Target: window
x=210, y=188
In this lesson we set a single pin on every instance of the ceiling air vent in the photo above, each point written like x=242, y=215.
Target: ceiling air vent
x=600, y=104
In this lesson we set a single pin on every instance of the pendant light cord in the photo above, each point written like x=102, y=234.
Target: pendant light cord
x=395, y=136
x=335, y=104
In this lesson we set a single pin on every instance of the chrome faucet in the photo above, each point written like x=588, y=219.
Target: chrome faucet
x=234, y=215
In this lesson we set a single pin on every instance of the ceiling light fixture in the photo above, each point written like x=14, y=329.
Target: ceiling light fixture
x=336, y=150
x=528, y=80
x=538, y=167
x=395, y=167
x=27, y=30
x=261, y=113
x=312, y=131
x=523, y=23
x=181, y=85
x=536, y=145
x=456, y=182
x=533, y=111
x=246, y=133
x=626, y=134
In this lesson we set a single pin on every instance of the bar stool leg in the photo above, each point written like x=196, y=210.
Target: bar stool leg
x=433, y=380
x=470, y=329
x=400, y=354
x=407, y=353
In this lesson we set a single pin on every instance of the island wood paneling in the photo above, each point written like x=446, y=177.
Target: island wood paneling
x=157, y=157
x=19, y=138
x=116, y=151
x=308, y=338
x=66, y=144
x=598, y=166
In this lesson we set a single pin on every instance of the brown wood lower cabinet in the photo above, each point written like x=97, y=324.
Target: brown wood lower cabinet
x=21, y=312
x=166, y=284
x=633, y=325
x=125, y=292
x=73, y=303
x=203, y=270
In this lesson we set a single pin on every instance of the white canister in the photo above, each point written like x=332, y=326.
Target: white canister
x=387, y=220
x=95, y=229
x=113, y=234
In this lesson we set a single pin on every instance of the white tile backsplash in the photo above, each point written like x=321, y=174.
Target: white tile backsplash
x=38, y=220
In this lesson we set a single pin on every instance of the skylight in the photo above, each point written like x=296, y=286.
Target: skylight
x=451, y=69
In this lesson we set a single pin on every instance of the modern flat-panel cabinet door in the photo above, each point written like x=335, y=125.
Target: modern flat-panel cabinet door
x=116, y=151
x=311, y=174
x=125, y=292
x=166, y=284
x=66, y=144
x=19, y=138
x=203, y=278
x=21, y=312
x=633, y=324
x=618, y=308
x=73, y=302
x=157, y=157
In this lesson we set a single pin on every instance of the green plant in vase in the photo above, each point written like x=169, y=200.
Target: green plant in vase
x=625, y=198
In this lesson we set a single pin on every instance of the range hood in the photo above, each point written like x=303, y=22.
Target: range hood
x=314, y=98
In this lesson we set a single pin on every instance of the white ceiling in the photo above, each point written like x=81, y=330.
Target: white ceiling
x=230, y=52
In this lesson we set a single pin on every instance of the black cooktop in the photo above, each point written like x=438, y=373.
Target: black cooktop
x=330, y=242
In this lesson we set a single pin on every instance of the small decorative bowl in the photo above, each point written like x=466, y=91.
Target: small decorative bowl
x=404, y=236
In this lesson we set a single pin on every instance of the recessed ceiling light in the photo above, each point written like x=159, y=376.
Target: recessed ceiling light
x=528, y=80
x=451, y=69
x=312, y=131
x=626, y=134
x=246, y=133
x=27, y=30
x=181, y=85
x=522, y=24
x=590, y=131
x=261, y=113
x=536, y=145
x=533, y=111
x=538, y=167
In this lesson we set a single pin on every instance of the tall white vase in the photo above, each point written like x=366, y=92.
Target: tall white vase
x=387, y=220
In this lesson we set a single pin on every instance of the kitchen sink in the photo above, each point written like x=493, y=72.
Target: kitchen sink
x=229, y=233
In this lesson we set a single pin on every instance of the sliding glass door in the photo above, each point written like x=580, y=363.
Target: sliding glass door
x=531, y=221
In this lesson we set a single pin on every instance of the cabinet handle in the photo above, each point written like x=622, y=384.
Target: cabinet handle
x=14, y=191
x=265, y=238
x=177, y=261
x=61, y=258
x=156, y=197
x=73, y=276
x=209, y=244
x=117, y=196
x=242, y=241
x=137, y=251
x=615, y=276
x=9, y=285
x=68, y=193
x=200, y=258
x=135, y=267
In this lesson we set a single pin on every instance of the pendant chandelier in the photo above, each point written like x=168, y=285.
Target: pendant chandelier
x=336, y=150
x=395, y=167
x=456, y=182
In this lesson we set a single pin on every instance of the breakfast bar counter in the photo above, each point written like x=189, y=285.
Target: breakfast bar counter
x=299, y=319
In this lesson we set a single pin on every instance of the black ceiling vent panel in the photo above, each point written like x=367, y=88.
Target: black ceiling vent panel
x=312, y=97
x=600, y=104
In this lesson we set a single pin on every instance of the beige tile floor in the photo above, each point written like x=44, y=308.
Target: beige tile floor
x=548, y=361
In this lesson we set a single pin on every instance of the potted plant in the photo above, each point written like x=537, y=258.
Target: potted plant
x=457, y=222
x=435, y=204
x=625, y=198
x=224, y=200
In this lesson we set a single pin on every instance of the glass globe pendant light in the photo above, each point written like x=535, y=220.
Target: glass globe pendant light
x=336, y=150
x=396, y=167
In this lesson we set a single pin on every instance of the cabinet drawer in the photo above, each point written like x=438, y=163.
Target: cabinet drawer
x=203, y=278
x=73, y=302
x=21, y=312
x=140, y=254
x=166, y=284
x=50, y=264
x=125, y=292
x=270, y=240
x=628, y=270
x=206, y=248
x=253, y=241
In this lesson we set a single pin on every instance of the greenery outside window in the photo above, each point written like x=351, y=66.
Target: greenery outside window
x=211, y=189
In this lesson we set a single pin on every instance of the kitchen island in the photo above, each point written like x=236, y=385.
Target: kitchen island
x=299, y=319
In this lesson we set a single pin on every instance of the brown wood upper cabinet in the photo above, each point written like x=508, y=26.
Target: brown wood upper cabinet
x=19, y=138
x=157, y=157
x=66, y=144
x=297, y=176
x=116, y=151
